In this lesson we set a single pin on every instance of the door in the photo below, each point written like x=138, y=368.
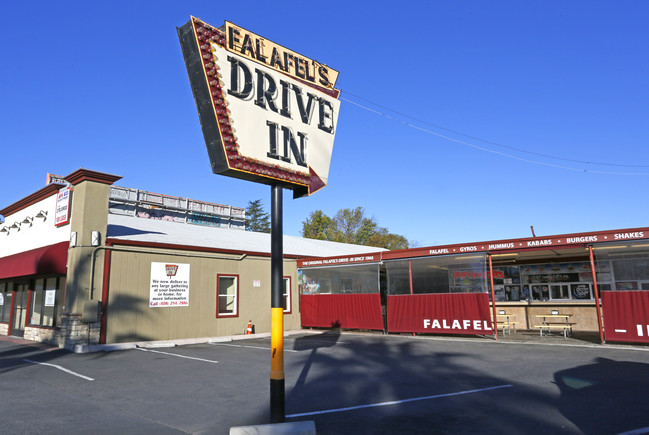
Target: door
x=20, y=311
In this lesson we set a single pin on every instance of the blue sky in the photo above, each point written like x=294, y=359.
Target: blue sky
x=460, y=121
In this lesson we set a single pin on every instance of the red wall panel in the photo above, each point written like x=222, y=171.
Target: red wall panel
x=351, y=311
x=444, y=313
x=626, y=315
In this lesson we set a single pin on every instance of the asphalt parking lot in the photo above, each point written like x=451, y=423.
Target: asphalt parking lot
x=346, y=383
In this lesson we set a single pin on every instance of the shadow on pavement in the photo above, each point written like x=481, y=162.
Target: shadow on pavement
x=616, y=388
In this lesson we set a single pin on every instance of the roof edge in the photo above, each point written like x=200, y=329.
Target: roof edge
x=81, y=175
x=113, y=241
x=35, y=197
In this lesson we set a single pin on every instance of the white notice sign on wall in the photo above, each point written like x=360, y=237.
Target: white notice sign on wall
x=62, y=212
x=50, y=298
x=169, y=285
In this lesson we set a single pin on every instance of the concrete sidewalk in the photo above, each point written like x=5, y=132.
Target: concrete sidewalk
x=589, y=339
x=577, y=338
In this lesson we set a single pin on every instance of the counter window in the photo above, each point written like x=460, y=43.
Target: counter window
x=557, y=281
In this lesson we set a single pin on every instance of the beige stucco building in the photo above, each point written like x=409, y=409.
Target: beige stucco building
x=90, y=262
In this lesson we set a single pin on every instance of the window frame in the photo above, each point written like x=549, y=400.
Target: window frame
x=286, y=297
x=32, y=300
x=236, y=295
x=7, y=299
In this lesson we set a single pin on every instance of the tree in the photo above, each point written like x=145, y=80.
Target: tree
x=389, y=241
x=257, y=219
x=317, y=226
x=351, y=226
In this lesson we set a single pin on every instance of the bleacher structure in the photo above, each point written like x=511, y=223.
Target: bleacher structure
x=147, y=205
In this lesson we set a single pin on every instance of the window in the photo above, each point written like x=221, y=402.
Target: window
x=560, y=291
x=286, y=294
x=443, y=274
x=560, y=281
x=631, y=269
x=629, y=273
x=581, y=291
x=624, y=269
x=5, y=301
x=227, y=301
x=363, y=278
x=540, y=293
x=45, y=301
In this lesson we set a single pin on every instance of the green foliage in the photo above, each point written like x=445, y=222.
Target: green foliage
x=257, y=219
x=317, y=226
x=389, y=241
x=351, y=226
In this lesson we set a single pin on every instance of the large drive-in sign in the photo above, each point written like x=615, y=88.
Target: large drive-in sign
x=268, y=114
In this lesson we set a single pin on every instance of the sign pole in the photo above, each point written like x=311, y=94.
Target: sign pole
x=596, y=292
x=231, y=80
x=493, y=297
x=277, y=414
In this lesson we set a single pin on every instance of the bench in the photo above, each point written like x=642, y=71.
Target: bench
x=507, y=326
x=506, y=321
x=566, y=327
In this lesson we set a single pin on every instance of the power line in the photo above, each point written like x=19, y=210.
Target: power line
x=490, y=142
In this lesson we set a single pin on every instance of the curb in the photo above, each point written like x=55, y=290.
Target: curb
x=85, y=348
x=298, y=428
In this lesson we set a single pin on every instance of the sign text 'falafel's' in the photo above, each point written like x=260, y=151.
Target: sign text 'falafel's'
x=268, y=114
x=265, y=52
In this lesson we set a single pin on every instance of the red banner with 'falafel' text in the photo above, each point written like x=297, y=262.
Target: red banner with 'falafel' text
x=443, y=313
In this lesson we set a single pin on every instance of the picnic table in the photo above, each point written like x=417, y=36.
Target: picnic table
x=507, y=321
x=554, y=321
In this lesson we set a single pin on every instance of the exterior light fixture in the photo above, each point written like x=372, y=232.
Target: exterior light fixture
x=5, y=230
x=95, y=238
x=15, y=226
x=42, y=214
x=515, y=254
x=28, y=221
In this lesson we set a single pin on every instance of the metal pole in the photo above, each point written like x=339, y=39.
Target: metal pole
x=493, y=297
x=277, y=413
x=596, y=291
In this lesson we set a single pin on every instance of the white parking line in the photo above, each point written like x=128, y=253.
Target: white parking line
x=179, y=356
x=250, y=347
x=60, y=368
x=309, y=340
x=397, y=402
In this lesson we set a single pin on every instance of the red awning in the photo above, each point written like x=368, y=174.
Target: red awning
x=47, y=260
